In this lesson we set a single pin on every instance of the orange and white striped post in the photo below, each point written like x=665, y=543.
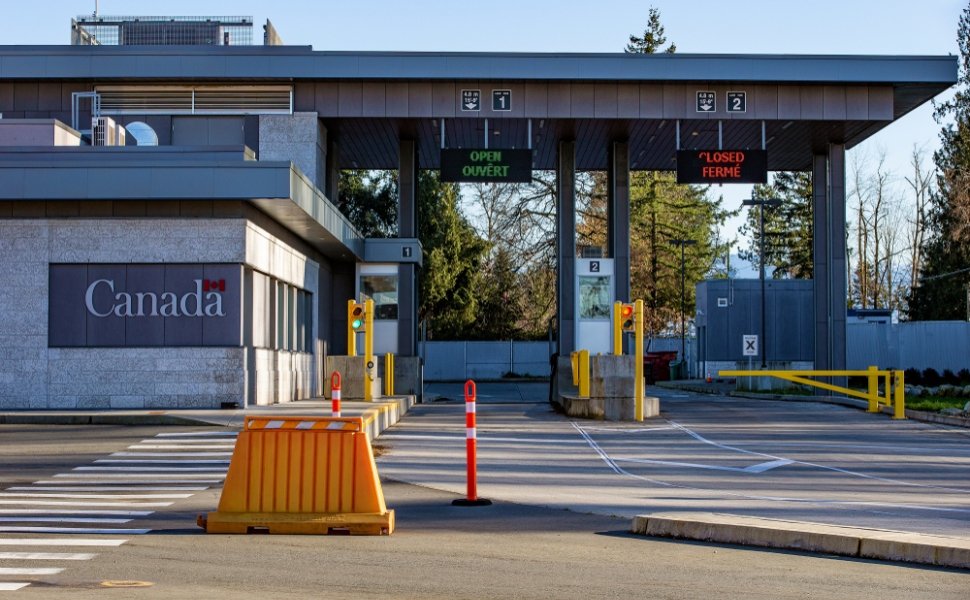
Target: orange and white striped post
x=471, y=450
x=335, y=394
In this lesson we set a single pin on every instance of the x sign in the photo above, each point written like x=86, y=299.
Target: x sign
x=750, y=345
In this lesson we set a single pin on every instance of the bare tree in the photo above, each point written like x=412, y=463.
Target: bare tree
x=921, y=184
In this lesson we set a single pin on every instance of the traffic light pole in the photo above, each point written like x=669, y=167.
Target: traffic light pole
x=638, y=361
x=370, y=366
x=351, y=332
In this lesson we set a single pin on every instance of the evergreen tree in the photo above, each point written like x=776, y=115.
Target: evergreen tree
x=941, y=291
x=788, y=228
x=454, y=254
x=369, y=200
x=653, y=37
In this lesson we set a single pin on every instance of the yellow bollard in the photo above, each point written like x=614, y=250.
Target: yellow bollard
x=388, y=374
x=899, y=403
x=574, y=361
x=584, y=373
x=873, y=378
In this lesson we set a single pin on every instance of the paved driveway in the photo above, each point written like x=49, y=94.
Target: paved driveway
x=801, y=461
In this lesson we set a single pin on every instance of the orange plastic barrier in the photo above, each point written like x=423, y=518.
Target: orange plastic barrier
x=301, y=475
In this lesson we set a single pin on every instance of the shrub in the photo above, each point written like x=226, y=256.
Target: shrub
x=931, y=378
x=964, y=376
x=950, y=377
x=913, y=376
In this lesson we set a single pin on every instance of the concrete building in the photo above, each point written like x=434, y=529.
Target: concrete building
x=214, y=266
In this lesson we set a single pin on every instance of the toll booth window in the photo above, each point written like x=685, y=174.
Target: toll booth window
x=594, y=298
x=382, y=289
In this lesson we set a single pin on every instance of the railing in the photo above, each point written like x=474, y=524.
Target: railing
x=894, y=385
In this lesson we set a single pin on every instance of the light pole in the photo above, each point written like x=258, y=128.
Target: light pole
x=683, y=328
x=761, y=203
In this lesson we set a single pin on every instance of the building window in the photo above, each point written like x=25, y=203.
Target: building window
x=282, y=315
x=382, y=289
x=594, y=298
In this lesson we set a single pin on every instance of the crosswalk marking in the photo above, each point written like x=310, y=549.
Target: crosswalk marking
x=87, y=530
x=62, y=542
x=62, y=511
x=22, y=571
x=156, y=461
x=147, y=469
x=96, y=496
x=198, y=433
x=83, y=487
x=94, y=499
x=75, y=503
x=143, y=476
x=46, y=556
x=176, y=454
x=181, y=447
x=89, y=479
x=89, y=520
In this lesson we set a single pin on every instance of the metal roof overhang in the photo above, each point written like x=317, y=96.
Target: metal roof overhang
x=369, y=139
x=160, y=174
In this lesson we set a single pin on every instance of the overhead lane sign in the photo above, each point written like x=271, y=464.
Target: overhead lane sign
x=471, y=100
x=486, y=166
x=722, y=166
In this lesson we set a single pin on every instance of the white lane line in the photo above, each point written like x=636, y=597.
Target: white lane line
x=62, y=511
x=807, y=501
x=8, y=571
x=152, y=470
x=198, y=433
x=157, y=461
x=187, y=443
x=105, y=488
x=144, y=476
x=73, y=503
x=109, y=482
x=172, y=454
x=758, y=468
x=701, y=438
x=85, y=530
x=767, y=466
x=60, y=542
x=12, y=587
x=481, y=438
x=628, y=430
x=27, y=519
x=175, y=447
x=96, y=496
x=46, y=556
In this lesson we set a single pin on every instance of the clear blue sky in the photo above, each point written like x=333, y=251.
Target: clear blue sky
x=883, y=27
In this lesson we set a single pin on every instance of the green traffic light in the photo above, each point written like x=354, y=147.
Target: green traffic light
x=356, y=323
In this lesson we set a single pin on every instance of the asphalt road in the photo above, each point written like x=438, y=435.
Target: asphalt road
x=507, y=550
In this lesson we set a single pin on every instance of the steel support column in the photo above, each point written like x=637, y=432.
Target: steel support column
x=566, y=246
x=407, y=227
x=828, y=184
x=618, y=217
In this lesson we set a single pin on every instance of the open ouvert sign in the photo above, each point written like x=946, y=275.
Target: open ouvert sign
x=486, y=166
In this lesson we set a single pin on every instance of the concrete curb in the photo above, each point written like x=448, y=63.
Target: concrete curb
x=100, y=419
x=808, y=537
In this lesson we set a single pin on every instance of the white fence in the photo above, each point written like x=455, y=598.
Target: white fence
x=458, y=361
